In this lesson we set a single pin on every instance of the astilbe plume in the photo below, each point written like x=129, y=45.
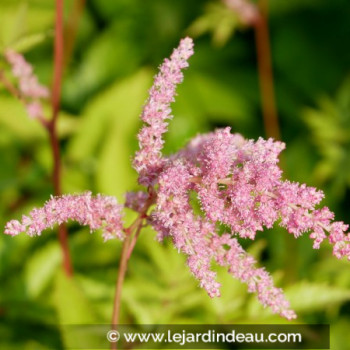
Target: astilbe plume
x=237, y=183
x=148, y=160
x=99, y=212
x=30, y=90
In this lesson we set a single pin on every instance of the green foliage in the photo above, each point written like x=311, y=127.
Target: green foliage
x=104, y=137
x=25, y=24
x=217, y=19
x=330, y=127
x=41, y=268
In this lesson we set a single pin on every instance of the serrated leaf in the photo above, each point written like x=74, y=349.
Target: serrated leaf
x=330, y=130
x=306, y=297
x=217, y=19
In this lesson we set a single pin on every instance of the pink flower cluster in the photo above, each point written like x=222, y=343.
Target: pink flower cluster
x=196, y=236
x=100, y=212
x=237, y=183
x=245, y=10
x=30, y=89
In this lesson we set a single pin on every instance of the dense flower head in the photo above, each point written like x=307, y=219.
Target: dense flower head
x=31, y=91
x=189, y=233
x=148, y=160
x=236, y=182
x=196, y=236
x=99, y=212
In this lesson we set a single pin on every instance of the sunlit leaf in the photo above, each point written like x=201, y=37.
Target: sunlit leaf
x=330, y=128
x=106, y=132
x=41, y=268
x=307, y=297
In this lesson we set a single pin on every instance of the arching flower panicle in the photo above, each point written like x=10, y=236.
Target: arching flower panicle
x=99, y=212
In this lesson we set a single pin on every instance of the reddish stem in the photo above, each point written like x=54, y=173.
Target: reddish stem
x=265, y=73
x=133, y=241
x=132, y=233
x=123, y=265
x=52, y=128
x=121, y=275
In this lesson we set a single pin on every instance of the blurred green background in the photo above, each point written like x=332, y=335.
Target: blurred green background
x=119, y=45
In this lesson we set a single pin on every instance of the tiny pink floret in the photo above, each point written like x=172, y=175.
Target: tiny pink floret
x=30, y=89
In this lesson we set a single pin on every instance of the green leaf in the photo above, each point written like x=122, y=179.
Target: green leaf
x=15, y=119
x=28, y=42
x=217, y=19
x=73, y=308
x=109, y=56
x=107, y=128
x=330, y=130
x=41, y=268
x=108, y=107
x=307, y=297
x=24, y=24
x=204, y=100
x=71, y=303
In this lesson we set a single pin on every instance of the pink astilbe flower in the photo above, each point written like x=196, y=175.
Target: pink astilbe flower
x=234, y=183
x=189, y=233
x=237, y=183
x=241, y=266
x=30, y=89
x=99, y=212
x=245, y=10
x=148, y=160
x=195, y=236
